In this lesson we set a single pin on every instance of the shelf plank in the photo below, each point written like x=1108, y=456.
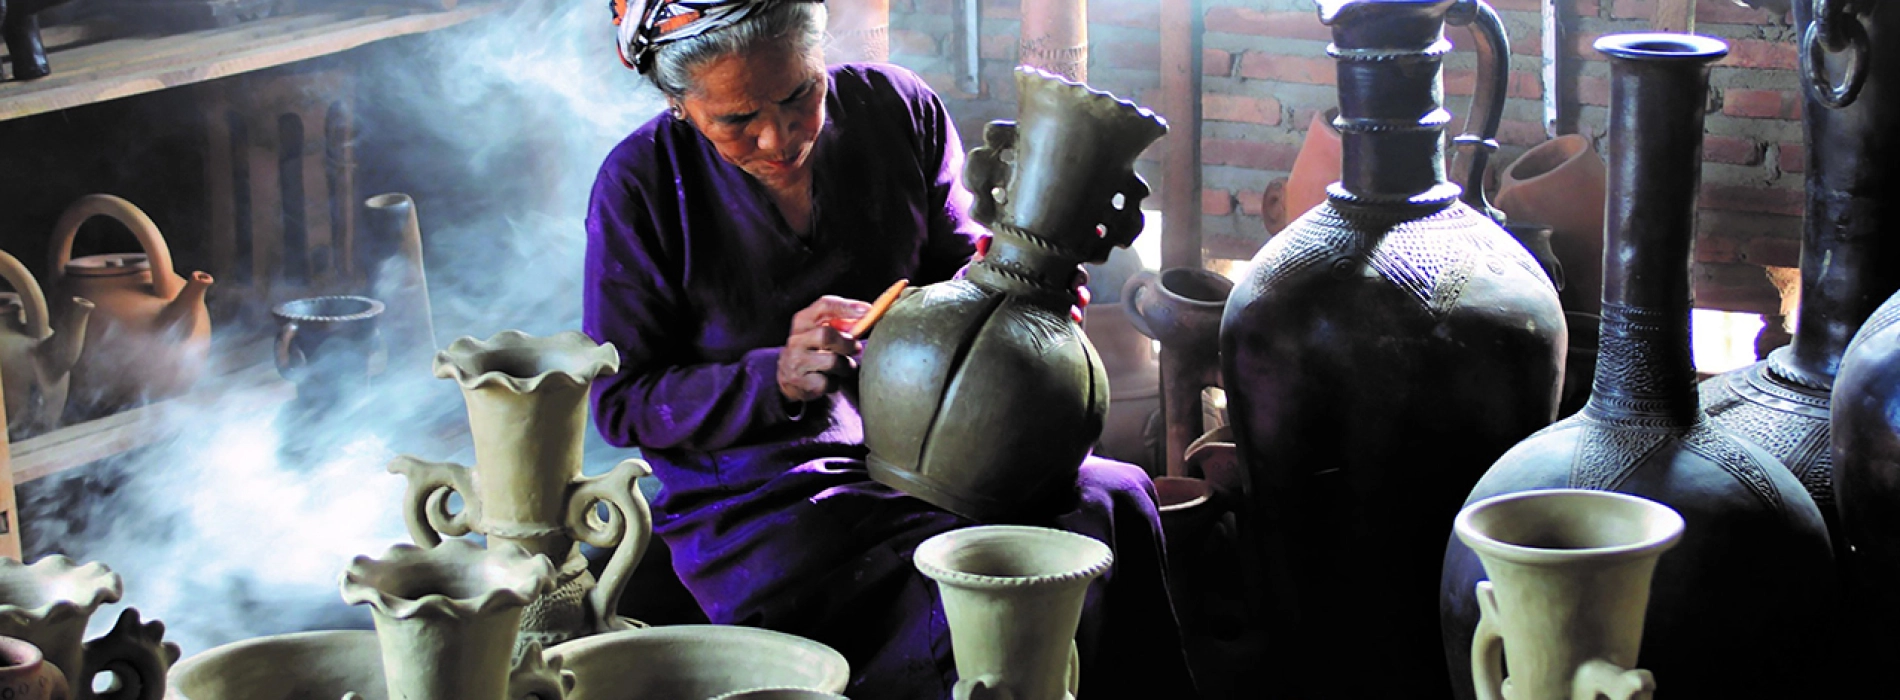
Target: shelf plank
x=86, y=73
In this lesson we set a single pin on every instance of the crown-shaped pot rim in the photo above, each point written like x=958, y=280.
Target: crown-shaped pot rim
x=1028, y=77
x=1098, y=556
x=517, y=579
x=460, y=360
x=93, y=582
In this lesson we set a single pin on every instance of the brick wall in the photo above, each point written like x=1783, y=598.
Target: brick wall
x=1266, y=73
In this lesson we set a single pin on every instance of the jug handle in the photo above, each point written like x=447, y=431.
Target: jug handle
x=1075, y=670
x=285, y=361
x=31, y=297
x=1487, y=647
x=135, y=653
x=983, y=688
x=1600, y=678
x=1475, y=146
x=628, y=530
x=1140, y=283
x=165, y=281
x=425, y=503
x=538, y=676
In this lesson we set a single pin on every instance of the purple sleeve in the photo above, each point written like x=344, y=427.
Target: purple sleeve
x=665, y=396
x=952, y=233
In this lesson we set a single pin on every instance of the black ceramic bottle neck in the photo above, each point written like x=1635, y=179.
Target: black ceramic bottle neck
x=1391, y=123
x=1658, y=88
x=1850, y=260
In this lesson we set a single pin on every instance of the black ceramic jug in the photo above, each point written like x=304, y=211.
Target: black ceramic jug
x=1743, y=606
x=1383, y=350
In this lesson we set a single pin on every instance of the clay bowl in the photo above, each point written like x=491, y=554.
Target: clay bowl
x=688, y=662
x=296, y=666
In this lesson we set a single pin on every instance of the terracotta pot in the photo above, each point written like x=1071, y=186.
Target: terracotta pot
x=1381, y=352
x=1315, y=168
x=37, y=354
x=697, y=661
x=527, y=408
x=49, y=603
x=1866, y=468
x=1013, y=598
x=388, y=251
x=1569, y=574
x=981, y=395
x=150, y=335
x=1754, y=575
x=860, y=31
x=25, y=675
x=1055, y=37
x=1560, y=183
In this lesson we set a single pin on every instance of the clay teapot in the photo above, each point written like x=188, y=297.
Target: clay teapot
x=37, y=355
x=150, y=334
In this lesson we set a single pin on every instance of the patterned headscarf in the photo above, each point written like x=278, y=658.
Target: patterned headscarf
x=646, y=25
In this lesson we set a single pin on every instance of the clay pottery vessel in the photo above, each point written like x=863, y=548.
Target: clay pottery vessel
x=981, y=395
x=1315, y=168
x=1560, y=183
x=150, y=335
x=1866, y=459
x=1580, y=362
x=1013, y=597
x=37, y=353
x=697, y=661
x=860, y=31
x=1181, y=307
x=388, y=252
x=1055, y=38
x=1130, y=433
x=1753, y=577
x=446, y=618
x=1189, y=513
x=1569, y=573
x=25, y=675
x=780, y=694
x=1382, y=351
x=294, y=666
x=527, y=408
x=48, y=604
x=327, y=345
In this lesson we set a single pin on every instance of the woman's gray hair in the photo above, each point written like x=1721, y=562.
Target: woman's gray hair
x=798, y=25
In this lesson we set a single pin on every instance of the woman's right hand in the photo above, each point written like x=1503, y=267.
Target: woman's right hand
x=817, y=354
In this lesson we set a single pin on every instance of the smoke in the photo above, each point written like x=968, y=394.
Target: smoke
x=239, y=525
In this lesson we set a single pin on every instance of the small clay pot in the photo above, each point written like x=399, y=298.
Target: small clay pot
x=1561, y=183
x=25, y=675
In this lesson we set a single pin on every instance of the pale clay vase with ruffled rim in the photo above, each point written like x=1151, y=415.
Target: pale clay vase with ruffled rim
x=48, y=603
x=697, y=661
x=1013, y=597
x=527, y=410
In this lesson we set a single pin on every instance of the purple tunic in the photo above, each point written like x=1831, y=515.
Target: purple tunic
x=773, y=521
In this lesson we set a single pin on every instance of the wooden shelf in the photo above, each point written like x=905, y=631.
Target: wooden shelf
x=87, y=69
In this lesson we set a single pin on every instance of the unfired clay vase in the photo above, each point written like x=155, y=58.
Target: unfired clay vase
x=1560, y=183
x=25, y=675
x=48, y=604
x=37, y=354
x=388, y=252
x=1569, y=584
x=1013, y=597
x=697, y=661
x=446, y=618
x=150, y=334
x=527, y=406
x=780, y=694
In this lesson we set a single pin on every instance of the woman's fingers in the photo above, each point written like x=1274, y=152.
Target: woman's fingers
x=814, y=360
x=826, y=311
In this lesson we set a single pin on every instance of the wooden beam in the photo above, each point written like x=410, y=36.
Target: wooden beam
x=1181, y=28
x=1674, y=16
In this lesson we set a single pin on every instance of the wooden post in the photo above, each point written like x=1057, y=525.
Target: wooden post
x=9, y=504
x=1181, y=26
x=1674, y=16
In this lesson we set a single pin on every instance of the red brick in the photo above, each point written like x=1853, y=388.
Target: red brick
x=1140, y=15
x=1715, y=248
x=1764, y=200
x=1757, y=53
x=1632, y=9
x=1738, y=287
x=1727, y=12
x=1525, y=85
x=1517, y=133
x=1229, y=246
x=1584, y=44
x=1126, y=54
x=1217, y=202
x=1728, y=149
x=1592, y=90
x=1772, y=251
x=1258, y=155
x=1760, y=104
x=1283, y=25
x=1217, y=62
x=1000, y=47
x=1291, y=69
x=1793, y=158
x=1237, y=108
x=1003, y=9
x=913, y=42
x=1587, y=8
x=1250, y=202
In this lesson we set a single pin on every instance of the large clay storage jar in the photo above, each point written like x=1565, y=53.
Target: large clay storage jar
x=150, y=335
x=1866, y=451
x=37, y=352
x=981, y=395
x=1559, y=183
x=1743, y=606
x=1383, y=350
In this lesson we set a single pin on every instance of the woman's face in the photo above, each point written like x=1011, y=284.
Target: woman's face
x=761, y=109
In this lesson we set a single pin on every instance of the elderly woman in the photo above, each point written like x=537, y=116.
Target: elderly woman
x=728, y=240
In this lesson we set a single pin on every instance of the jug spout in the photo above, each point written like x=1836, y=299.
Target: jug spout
x=188, y=307
x=59, y=353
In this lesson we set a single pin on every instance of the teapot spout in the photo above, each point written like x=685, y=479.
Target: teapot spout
x=58, y=353
x=188, y=307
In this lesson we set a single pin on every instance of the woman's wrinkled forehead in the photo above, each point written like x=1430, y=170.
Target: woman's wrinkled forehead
x=750, y=79
x=645, y=25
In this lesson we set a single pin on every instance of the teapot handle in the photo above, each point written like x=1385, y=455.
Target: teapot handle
x=1487, y=647
x=165, y=281
x=31, y=297
x=628, y=529
x=136, y=655
x=1475, y=146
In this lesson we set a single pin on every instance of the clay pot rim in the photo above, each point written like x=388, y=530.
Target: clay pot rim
x=1203, y=492
x=1669, y=530
x=59, y=578
x=748, y=692
x=514, y=577
x=97, y=265
x=937, y=548
x=371, y=309
x=184, y=668
x=18, y=654
x=704, y=634
x=1660, y=46
x=1088, y=98
x=1569, y=148
x=590, y=360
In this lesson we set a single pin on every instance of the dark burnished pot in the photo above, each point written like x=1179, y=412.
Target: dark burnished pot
x=981, y=395
x=1866, y=431
x=1383, y=350
x=1743, y=606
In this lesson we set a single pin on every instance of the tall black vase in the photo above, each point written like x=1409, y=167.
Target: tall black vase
x=1383, y=350
x=1742, y=607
